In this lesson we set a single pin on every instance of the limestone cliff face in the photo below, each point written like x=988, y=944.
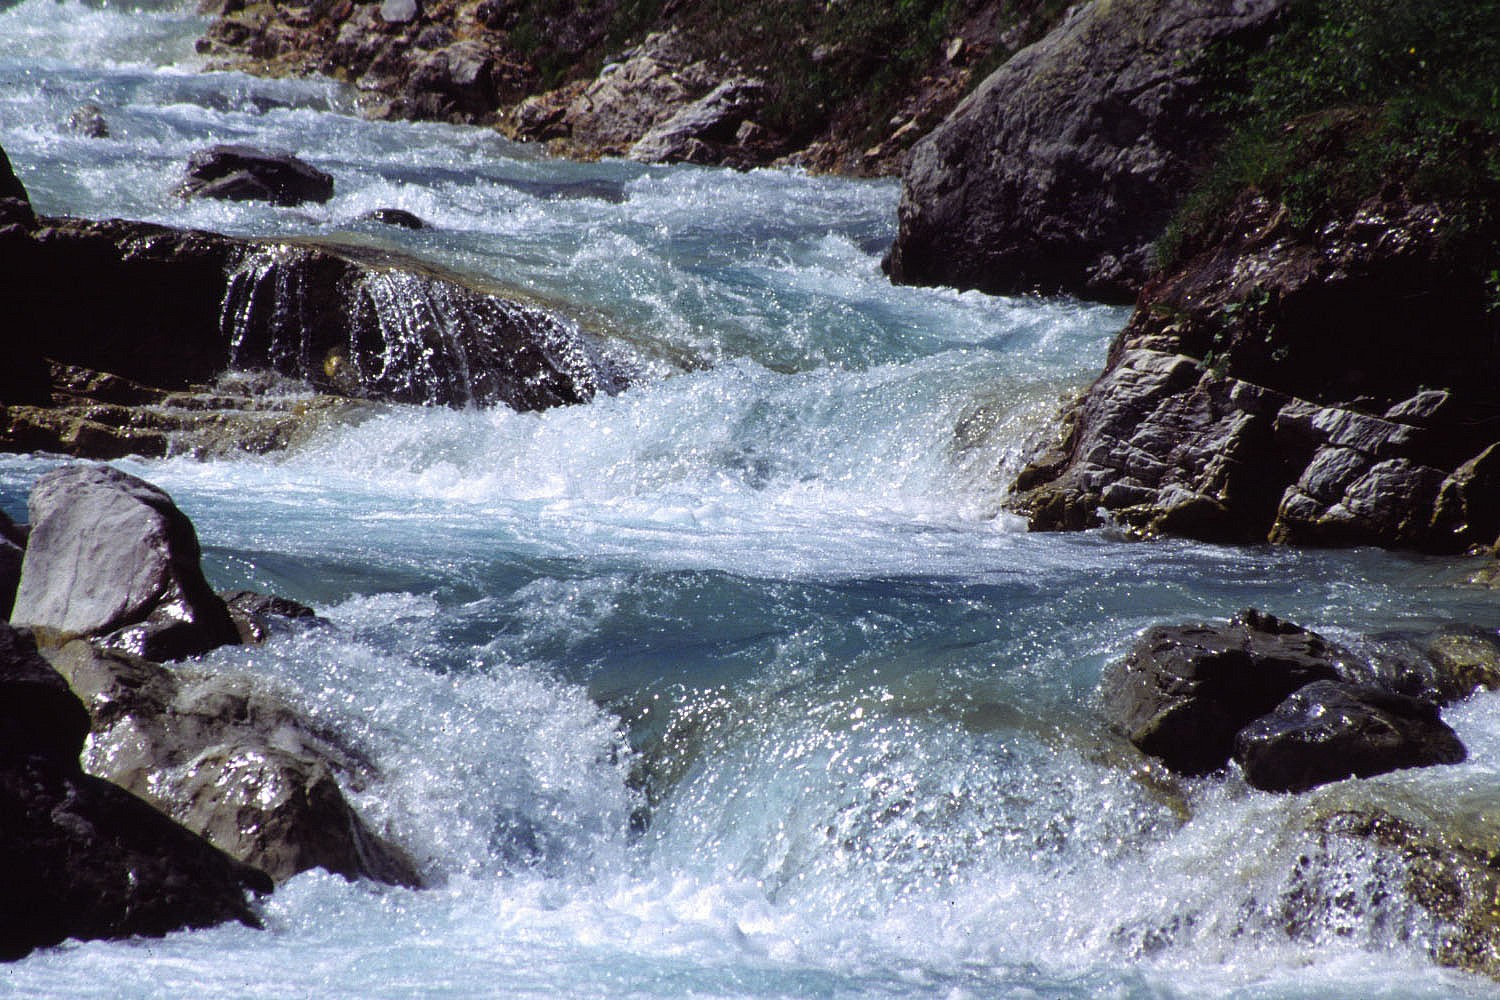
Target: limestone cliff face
x=1061, y=169
x=1341, y=387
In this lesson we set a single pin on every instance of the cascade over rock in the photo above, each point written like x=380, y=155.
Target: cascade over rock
x=1339, y=388
x=110, y=555
x=1060, y=170
x=84, y=858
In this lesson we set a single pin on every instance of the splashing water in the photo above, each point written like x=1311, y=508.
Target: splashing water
x=734, y=683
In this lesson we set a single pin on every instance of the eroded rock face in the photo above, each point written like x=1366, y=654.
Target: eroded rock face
x=1060, y=170
x=230, y=760
x=242, y=173
x=85, y=858
x=110, y=555
x=1328, y=390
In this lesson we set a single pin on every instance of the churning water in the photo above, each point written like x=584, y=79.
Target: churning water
x=737, y=683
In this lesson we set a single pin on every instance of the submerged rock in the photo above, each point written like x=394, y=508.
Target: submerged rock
x=1329, y=731
x=110, y=555
x=257, y=615
x=398, y=217
x=230, y=760
x=84, y=858
x=88, y=120
x=242, y=173
x=1184, y=691
x=1059, y=171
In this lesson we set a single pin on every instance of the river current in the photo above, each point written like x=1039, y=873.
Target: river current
x=739, y=683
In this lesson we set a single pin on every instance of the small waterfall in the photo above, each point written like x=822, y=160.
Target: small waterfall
x=404, y=336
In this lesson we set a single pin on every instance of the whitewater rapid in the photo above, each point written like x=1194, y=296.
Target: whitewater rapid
x=739, y=683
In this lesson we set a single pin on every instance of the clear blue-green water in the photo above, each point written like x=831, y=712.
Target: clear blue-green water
x=737, y=684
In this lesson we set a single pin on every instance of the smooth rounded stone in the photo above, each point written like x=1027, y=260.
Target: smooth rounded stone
x=398, y=11
x=232, y=760
x=110, y=555
x=84, y=858
x=398, y=217
x=243, y=173
x=1184, y=691
x=39, y=713
x=1327, y=731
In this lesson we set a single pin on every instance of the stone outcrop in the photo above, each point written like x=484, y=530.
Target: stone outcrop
x=84, y=858
x=1060, y=170
x=110, y=555
x=230, y=760
x=1291, y=708
x=1335, y=388
x=242, y=173
x=12, y=554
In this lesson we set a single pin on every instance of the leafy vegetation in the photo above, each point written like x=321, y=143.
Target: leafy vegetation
x=1355, y=95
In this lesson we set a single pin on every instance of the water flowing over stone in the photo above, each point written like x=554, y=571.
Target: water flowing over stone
x=404, y=336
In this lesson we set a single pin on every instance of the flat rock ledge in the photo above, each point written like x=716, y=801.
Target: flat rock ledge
x=1291, y=708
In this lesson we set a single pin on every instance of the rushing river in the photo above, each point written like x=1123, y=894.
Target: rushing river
x=736, y=684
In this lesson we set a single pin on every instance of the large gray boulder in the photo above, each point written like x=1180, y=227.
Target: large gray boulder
x=1062, y=168
x=230, y=760
x=110, y=555
x=84, y=858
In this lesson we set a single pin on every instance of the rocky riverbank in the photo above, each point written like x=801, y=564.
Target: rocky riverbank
x=846, y=87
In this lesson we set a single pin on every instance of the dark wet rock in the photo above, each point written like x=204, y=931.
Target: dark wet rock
x=242, y=173
x=258, y=615
x=84, y=858
x=1060, y=170
x=398, y=217
x=88, y=120
x=1184, y=691
x=1448, y=864
x=231, y=760
x=110, y=555
x=1288, y=387
x=15, y=203
x=1465, y=660
x=174, y=309
x=12, y=552
x=1328, y=731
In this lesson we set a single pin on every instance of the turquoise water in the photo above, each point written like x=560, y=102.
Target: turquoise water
x=738, y=684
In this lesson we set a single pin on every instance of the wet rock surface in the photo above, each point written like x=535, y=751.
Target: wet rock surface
x=1328, y=731
x=1293, y=709
x=231, y=760
x=1059, y=171
x=242, y=173
x=110, y=555
x=86, y=859
x=1336, y=389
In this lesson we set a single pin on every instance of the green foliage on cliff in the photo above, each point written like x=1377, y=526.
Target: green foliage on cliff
x=1356, y=95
